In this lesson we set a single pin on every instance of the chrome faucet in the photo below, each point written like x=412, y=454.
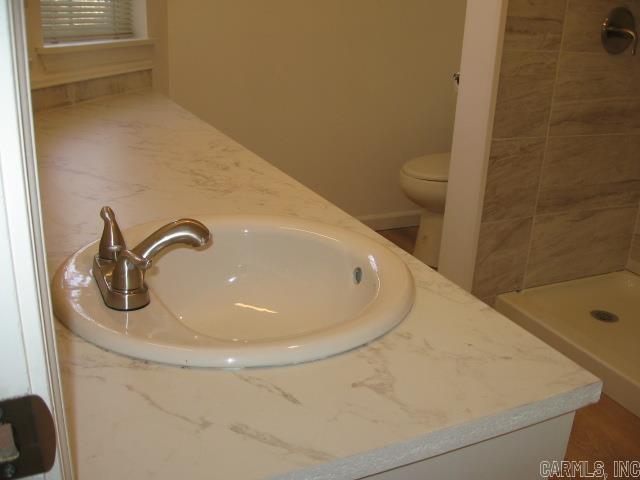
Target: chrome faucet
x=120, y=272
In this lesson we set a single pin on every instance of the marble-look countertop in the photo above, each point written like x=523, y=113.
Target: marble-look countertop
x=453, y=373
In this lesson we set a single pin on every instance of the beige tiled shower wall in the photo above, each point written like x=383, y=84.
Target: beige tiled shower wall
x=563, y=185
x=70, y=93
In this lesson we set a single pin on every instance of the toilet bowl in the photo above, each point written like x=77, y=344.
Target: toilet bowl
x=424, y=180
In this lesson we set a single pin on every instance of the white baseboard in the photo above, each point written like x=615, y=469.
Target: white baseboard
x=386, y=221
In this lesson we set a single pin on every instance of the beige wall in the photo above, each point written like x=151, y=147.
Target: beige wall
x=336, y=93
x=563, y=185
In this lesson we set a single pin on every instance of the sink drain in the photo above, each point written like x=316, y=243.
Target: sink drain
x=604, y=316
x=357, y=275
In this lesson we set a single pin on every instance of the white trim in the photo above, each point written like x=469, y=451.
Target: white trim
x=140, y=18
x=72, y=47
x=90, y=74
x=386, y=221
x=26, y=255
x=479, y=75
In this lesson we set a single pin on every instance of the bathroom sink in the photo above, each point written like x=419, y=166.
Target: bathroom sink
x=268, y=291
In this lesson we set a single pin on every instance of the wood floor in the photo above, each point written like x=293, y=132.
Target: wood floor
x=404, y=238
x=603, y=432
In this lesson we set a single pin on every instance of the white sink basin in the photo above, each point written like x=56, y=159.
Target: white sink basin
x=268, y=291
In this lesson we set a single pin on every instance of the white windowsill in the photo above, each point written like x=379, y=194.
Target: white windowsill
x=88, y=46
x=89, y=74
x=78, y=61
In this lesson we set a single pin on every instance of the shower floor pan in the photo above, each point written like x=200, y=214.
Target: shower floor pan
x=595, y=321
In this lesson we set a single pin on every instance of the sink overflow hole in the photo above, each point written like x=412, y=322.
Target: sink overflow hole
x=604, y=316
x=357, y=275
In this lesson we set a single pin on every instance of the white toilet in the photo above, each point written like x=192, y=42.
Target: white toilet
x=424, y=180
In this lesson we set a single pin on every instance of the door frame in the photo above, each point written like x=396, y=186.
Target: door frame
x=27, y=342
x=473, y=127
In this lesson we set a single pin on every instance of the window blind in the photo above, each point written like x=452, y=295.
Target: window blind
x=75, y=20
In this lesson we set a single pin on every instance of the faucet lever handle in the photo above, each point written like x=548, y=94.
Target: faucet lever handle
x=112, y=241
x=128, y=274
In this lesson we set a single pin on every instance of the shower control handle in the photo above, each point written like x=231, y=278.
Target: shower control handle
x=623, y=32
x=618, y=31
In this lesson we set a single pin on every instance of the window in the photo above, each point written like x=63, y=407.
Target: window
x=81, y=20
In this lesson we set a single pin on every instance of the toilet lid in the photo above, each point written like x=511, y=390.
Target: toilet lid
x=434, y=167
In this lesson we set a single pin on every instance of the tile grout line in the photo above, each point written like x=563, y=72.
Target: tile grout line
x=592, y=209
x=593, y=53
x=566, y=212
x=546, y=148
x=575, y=135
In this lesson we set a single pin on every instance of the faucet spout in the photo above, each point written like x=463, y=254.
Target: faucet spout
x=120, y=272
x=184, y=231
